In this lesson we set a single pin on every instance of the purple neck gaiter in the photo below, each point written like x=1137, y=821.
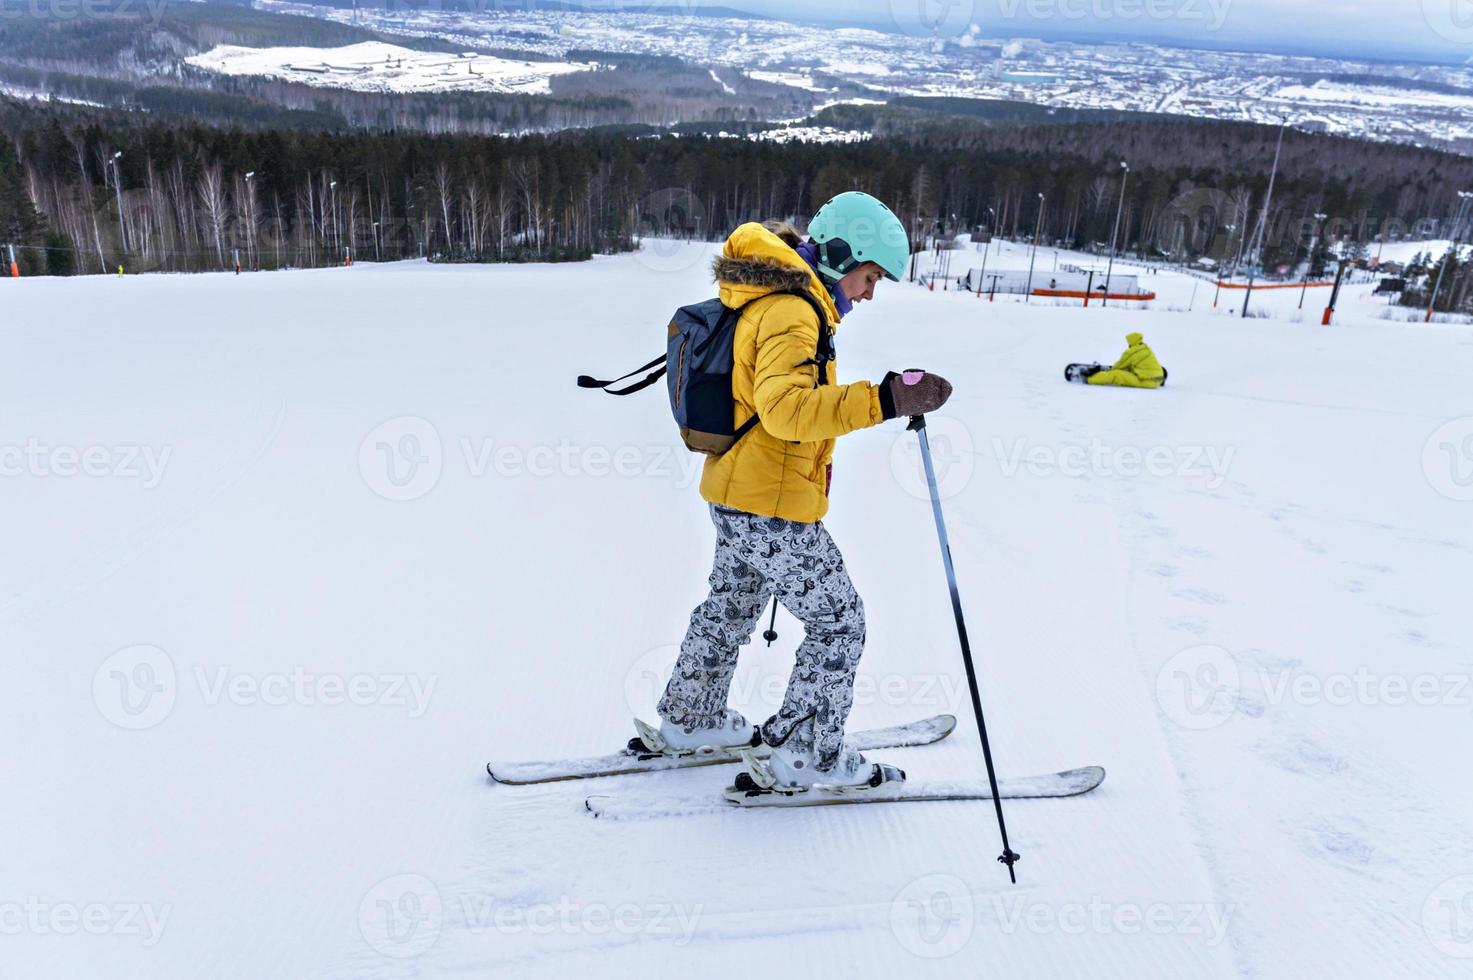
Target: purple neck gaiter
x=809, y=251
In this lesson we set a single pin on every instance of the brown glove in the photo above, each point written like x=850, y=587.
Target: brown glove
x=912, y=392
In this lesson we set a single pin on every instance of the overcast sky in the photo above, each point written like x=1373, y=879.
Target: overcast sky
x=1392, y=29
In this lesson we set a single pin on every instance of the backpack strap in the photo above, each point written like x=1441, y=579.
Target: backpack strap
x=729, y=317
x=584, y=381
x=825, y=342
x=825, y=351
x=822, y=356
x=751, y=424
x=753, y=419
x=660, y=364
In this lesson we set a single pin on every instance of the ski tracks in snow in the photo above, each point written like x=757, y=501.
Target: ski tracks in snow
x=1291, y=754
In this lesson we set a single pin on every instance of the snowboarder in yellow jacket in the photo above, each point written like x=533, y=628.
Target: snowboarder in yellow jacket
x=1137, y=367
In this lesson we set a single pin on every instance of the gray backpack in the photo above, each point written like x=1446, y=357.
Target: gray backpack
x=697, y=366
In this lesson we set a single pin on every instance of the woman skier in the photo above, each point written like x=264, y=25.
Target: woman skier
x=769, y=493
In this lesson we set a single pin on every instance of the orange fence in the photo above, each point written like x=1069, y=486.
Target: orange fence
x=1274, y=285
x=1081, y=294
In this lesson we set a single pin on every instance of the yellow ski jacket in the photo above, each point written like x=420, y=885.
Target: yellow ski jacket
x=779, y=469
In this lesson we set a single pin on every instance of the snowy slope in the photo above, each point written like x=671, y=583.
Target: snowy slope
x=281, y=578
x=1407, y=251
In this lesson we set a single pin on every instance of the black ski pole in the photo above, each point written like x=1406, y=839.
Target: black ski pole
x=770, y=633
x=1008, y=856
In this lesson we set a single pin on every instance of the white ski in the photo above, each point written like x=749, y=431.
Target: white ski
x=1073, y=782
x=636, y=758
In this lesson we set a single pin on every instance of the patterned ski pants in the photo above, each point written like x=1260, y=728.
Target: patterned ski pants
x=757, y=557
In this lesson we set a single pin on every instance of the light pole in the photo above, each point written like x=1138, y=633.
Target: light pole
x=986, y=247
x=1124, y=175
x=1263, y=222
x=1033, y=255
x=1464, y=197
x=250, y=219
x=1335, y=291
x=1319, y=221
x=915, y=225
x=1217, y=295
x=118, y=186
x=424, y=221
x=376, y=256
x=333, y=190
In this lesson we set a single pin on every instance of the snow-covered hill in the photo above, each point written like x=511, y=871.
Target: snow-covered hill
x=290, y=556
x=373, y=66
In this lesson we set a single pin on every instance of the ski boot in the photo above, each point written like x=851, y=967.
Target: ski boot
x=725, y=736
x=790, y=768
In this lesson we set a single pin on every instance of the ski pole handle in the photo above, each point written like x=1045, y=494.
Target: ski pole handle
x=917, y=423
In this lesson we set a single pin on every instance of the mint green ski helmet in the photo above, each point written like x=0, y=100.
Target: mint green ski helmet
x=854, y=227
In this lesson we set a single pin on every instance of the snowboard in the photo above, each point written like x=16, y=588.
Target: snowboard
x=1079, y=373
x=636, y=757
x=1072, y=782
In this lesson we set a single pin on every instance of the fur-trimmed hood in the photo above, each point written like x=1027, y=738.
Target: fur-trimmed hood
x=758, y=260
x=761, y=271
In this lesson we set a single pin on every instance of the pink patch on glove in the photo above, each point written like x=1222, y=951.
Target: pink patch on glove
x=912, y=377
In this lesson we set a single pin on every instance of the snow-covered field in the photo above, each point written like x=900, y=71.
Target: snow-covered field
x=20, y=92
x=373, y=66
x=810, y=134
x=1407, y=251
x=290, y=556
x=1374, y=95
